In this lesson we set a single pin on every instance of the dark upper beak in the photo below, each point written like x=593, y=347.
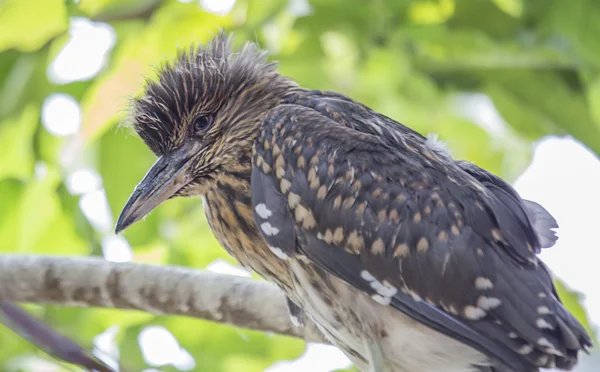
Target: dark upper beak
x=167, y=176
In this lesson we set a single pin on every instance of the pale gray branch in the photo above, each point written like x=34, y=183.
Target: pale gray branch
x=165, y=290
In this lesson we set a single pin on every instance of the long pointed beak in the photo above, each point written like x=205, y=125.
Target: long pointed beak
x=168, y=175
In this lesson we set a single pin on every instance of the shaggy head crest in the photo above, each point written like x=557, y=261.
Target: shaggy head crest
x=201, y=82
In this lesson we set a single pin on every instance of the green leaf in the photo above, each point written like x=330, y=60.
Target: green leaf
x=215, y=347
x=593, y=96
x=511, y=7
x=37, y=207
x=19, y=78
x=213, y=344
x=441, y=49
x=16, y=144
x=116, y=9
x=430, y=12
x=549, y=95
x=484, y=17
x=577, y=23
x=37, y=224
x=11, y=191
x=259, y=12
x=191, y=241
x=27, y=25
x=523, y=118
x=306, y=65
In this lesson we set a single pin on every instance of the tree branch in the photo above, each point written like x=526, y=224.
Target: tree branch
x=164, y=290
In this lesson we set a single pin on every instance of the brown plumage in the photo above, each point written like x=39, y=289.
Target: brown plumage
x=406, y=259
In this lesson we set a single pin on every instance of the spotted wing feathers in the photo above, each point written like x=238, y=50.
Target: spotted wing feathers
x=271, y=214
x=541, y=222
x=454, y=251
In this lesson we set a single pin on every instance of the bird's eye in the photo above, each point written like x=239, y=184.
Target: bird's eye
x=201, y=123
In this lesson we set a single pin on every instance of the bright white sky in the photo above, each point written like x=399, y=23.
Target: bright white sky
x=564, y=177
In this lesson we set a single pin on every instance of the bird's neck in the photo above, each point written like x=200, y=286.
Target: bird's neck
x=228, y=209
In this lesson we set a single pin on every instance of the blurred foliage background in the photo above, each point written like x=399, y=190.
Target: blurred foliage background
x=67, y=69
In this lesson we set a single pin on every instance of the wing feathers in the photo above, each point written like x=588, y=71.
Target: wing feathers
x=543, y=223
x=454, y=248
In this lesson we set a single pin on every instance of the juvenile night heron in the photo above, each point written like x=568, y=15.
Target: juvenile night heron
x=406, y=259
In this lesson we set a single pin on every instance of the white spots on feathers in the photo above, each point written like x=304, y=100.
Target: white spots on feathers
x=474, y=312
x=262, y=211
x=542, y=323
x=279, y=253
x=385, y=291
x=525, y=349
x=550, y=349
x=543, y=310
x=437, y=146
x=367, y=276
x=484, y=303
x=269, y=229
x=381, y=300
x=488, y=303
x=483, y=283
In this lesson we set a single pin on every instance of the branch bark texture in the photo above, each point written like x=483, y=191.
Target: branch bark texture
x=164, y=290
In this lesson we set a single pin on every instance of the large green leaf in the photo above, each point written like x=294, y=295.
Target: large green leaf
x=524, y=118
x=25, y=83
x=577, y=22
x=562, y=108
x=26, y=25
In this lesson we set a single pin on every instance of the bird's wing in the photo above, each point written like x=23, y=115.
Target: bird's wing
x=430, y=241
x=354, y=115
x=542, y=222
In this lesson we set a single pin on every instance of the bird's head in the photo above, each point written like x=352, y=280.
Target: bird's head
x=200, y=117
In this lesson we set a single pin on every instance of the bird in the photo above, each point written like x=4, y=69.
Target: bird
x=405, y=258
